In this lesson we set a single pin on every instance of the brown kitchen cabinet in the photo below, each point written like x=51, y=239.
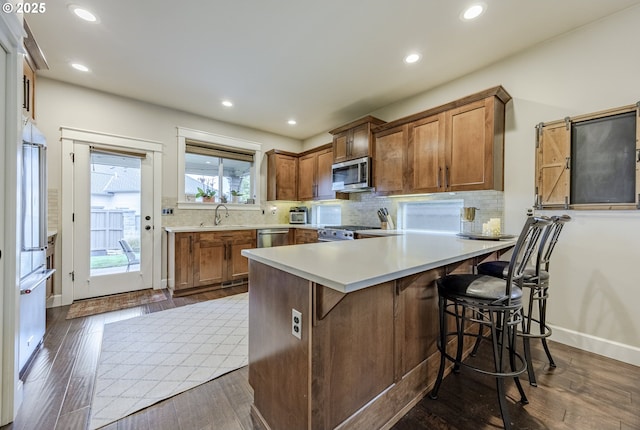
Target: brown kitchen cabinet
x=282, y=175
x=304, y=235
x=390, y=148
x=454, y=147
x=50, y=261
x=28, y=88
x=211, y=259
x=314, y=174
x=354, y=140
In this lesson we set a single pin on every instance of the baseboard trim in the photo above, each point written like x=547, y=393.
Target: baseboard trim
x=608, y=348
x=54, y=301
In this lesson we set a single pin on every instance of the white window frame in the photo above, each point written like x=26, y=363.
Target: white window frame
x=185, y=134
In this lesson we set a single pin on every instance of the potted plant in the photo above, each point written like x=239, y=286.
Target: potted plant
x=235, y=195
x=206, y=194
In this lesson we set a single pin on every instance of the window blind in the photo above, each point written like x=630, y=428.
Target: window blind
x=213, y=150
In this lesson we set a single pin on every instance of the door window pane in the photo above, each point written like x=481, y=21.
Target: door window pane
x=115, y=213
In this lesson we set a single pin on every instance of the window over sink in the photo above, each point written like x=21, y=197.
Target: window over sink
x=217, y=169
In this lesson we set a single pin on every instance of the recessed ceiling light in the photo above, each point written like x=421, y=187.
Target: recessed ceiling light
x=83, y=13
x=412, y=58
x=292, y=122
x=473, y=11
x=227, y=103
x=80, y=67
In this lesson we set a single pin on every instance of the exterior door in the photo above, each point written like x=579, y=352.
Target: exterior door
x=113, y=220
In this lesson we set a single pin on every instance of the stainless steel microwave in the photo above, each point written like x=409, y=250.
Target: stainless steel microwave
x=352, y=175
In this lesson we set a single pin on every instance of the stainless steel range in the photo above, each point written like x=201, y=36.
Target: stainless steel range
x=334, y=233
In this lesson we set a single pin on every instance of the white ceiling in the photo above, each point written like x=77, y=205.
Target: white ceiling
x=323, y=63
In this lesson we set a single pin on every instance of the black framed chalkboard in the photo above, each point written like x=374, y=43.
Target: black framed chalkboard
x=603, y=159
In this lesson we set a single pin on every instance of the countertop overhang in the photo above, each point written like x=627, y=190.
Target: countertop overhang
x=351, y=265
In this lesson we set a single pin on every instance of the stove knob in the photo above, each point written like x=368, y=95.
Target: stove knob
x=335, y=233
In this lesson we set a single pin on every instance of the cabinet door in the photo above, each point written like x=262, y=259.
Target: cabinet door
x=324, y=179
x=237, y=264
x=209, y=259
x=469, y=155
x=183, y=260
x=388, y=167
x=425, y=153
x=307, y=177
x=340, y=143
x=552, y=165
x=282, y=177
x=305, y=236
x=360, y=139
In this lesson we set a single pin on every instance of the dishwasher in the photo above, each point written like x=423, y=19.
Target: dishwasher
x=268, y=238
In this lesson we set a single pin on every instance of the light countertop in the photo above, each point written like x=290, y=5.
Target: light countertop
x=226, y=227
x=350, y=265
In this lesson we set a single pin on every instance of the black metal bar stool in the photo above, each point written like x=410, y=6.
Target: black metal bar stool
x=493, y=303
x=536, y=279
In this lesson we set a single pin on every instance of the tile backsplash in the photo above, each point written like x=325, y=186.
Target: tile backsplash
x=359, y=210
x=274, y=213
x=362, y=207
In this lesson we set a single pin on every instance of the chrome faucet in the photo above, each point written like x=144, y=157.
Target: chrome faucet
x=218, y=219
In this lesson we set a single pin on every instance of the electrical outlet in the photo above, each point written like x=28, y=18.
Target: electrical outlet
x=167, y=211
x=296, y=323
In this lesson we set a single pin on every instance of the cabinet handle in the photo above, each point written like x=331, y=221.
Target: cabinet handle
x=24, y=91
x=228, y=252
x=190, y=244
x=446, y=177
x=439, y=177
x=224, y=256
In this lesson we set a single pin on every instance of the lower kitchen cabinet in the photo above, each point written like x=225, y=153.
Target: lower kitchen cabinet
x=303, y=235
x=209, y=260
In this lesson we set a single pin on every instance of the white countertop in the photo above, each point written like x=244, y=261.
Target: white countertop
x=350, y=265
x=225, y=227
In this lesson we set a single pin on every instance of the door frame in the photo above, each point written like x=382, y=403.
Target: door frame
x=11, y=33
x=72, y=136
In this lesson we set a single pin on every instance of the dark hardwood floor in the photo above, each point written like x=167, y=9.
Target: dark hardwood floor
x=585, y=391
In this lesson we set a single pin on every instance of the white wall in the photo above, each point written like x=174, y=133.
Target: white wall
x=595, y=289
x=60, y=104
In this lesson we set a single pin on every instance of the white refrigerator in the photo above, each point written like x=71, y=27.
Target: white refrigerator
x=33, y=239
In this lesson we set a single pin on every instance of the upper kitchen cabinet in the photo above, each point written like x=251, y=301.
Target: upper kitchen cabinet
x=282, y=175
x=475, y=146
x=390, y=148
x=34, y=60
x=354, y=140
x=314, y=174
x=590, y=161
x=455, y=147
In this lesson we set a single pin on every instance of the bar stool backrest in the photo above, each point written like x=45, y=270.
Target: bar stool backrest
x=549, y=240
x=525, y=246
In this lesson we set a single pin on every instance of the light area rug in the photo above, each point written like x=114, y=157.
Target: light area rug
x=86, y=307
x=150, y=358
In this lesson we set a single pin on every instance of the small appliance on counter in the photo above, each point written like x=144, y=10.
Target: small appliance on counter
x=299, y=215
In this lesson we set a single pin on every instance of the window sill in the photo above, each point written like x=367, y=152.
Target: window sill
x=211, y=206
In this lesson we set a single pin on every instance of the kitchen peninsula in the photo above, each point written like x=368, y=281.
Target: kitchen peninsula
x=362, y=350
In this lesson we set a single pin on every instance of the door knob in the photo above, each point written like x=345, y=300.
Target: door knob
x=148, y=227
x=147, y=217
